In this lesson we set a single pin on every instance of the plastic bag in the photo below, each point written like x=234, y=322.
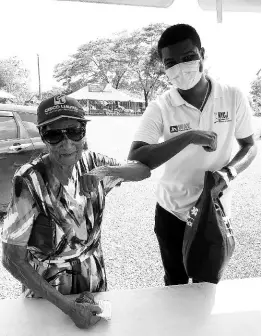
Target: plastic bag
x=208, y=240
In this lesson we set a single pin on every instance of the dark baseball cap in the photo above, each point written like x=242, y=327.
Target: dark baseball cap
x=58, y=107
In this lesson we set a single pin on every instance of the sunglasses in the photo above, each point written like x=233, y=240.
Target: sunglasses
x=53, y=137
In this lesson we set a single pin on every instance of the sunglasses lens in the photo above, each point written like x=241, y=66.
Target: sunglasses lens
x=53, y=136
x=75, y=134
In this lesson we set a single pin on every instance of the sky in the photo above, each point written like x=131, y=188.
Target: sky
x=55, y=29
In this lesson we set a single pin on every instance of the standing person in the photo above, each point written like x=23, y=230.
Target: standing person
x=199, y=120
x=52, y=231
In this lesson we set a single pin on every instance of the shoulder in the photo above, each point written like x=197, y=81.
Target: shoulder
x=166, y=99
x=37, y=167
x=87, y=161
x=24, y=170
x=159, y=106
x=32, y=174
x=226, y=91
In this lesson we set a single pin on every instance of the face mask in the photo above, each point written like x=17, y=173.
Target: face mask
x=184, y=75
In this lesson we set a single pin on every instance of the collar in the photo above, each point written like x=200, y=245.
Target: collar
x=177, y=100
x=217, y=88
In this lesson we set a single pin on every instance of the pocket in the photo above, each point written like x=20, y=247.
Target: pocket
x=43, y=234
x=156, y=217
x=160, y=221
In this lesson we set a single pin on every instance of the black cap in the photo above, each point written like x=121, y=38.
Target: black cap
x=57, y=107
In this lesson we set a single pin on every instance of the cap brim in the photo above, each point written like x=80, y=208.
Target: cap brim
x=60, y=117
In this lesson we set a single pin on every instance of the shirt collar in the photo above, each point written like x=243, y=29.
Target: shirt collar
x=217, y=88
x=177, y=100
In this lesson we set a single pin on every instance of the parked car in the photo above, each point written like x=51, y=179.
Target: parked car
x=19, y=143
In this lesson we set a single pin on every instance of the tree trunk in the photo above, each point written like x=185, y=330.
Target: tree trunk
x=146, y=97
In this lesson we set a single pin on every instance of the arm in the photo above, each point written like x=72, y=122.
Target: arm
x=15, y=261
x=246, y=154
x=245, y=139
x=156, y=154
x=148, y=151
x=16, y=232
x=113, y=176
x=128, y=171
x=243, y=158
x=244, y=135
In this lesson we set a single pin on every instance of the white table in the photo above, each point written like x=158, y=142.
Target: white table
x=232, y=308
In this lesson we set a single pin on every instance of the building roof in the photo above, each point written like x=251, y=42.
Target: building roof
x=98, y=92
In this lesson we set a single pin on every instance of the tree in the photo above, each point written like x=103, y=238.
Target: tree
x=148, y=72
x=255, y=93
x=34, y=98
x=52, y=92
x=128, y=61
x=14, y=78
x=101, y=61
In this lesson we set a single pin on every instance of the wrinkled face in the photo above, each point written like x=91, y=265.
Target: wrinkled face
x=184, y=51
x=67, y=152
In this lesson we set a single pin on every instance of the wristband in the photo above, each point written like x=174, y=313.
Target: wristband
x=232, y=172
x=224, y=176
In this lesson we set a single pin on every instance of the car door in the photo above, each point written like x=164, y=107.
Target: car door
x=29, y=121
x=16, y=148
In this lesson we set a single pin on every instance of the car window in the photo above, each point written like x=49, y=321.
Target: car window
x=29, y=121
x=8, y=128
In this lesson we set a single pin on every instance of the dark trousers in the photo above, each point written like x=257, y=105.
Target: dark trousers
x=170, y=233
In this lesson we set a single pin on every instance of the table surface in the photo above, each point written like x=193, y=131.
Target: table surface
x=231, y=308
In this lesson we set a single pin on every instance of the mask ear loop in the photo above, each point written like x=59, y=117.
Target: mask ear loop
x=202, y=59
x=201, y=66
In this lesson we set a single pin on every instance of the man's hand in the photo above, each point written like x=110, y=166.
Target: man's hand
x=84, y=314
x=206, y=139
x=222, y=182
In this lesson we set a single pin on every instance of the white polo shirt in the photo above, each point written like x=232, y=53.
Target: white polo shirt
x=227, y=112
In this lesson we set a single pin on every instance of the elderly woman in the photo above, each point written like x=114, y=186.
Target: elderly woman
x=52, y=232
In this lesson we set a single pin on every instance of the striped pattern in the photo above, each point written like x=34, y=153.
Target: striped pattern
x=77, y=222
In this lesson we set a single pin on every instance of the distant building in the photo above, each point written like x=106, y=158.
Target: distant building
x=103, y=99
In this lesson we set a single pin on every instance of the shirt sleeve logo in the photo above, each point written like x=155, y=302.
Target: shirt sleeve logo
x=180, y=128
x=221, y=117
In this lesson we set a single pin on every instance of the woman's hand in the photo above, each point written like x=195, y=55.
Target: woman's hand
x=84, y=314
x=90, y=180
x=130, y=171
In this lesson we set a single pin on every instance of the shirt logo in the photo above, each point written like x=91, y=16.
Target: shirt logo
x=221, y=117
x=60, y=99
x=180, y=128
